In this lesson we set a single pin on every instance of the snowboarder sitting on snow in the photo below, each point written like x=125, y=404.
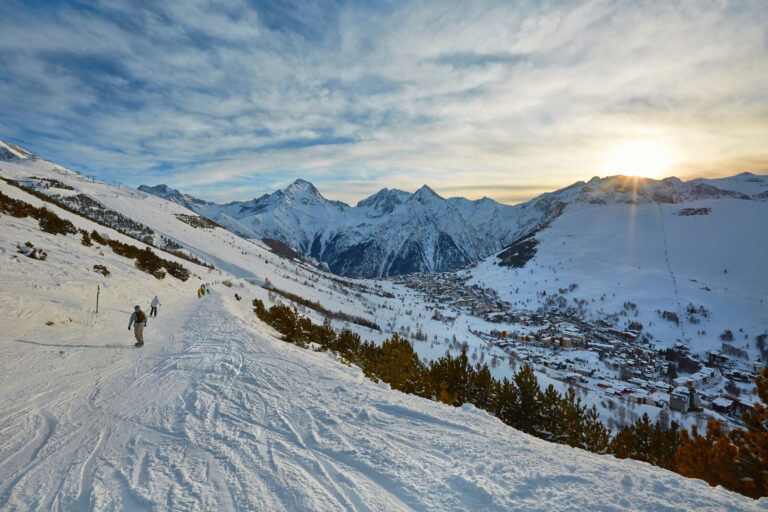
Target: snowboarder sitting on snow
x=153, y=307
x=139, y=321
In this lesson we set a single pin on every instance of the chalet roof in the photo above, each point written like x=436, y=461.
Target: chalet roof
x=722, y=402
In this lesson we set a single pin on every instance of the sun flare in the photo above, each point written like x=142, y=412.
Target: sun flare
x=643, y=158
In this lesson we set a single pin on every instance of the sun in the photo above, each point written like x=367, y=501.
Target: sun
x=642, y=158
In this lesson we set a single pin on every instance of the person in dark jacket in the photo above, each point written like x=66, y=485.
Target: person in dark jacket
x=138, y=321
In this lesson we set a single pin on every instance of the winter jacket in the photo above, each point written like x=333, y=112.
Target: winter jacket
x=134, y=318
x=155, y=302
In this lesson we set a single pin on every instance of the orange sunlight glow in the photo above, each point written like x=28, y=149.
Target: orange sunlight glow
x=642, y=158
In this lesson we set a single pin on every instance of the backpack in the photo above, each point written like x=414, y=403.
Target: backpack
x=140, y=317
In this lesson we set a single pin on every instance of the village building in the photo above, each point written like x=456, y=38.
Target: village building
x=680, y=399
x=723, y=405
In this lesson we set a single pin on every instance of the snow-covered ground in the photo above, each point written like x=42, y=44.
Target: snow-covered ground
x=215, y=413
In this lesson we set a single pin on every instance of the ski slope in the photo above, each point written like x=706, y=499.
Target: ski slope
x=214, y=413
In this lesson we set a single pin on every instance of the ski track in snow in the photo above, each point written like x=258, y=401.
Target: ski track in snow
x=214, y=414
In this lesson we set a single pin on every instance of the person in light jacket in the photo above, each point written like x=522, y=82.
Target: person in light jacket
x=153, y=307
x=138, y=321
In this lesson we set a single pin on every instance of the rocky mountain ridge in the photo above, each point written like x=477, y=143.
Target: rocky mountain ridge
x=396, y=232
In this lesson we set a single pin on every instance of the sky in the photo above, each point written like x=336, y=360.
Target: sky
x=230, y=100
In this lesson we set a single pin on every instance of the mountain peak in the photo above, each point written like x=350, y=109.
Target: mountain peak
x=425, y=189
x=425, y=193
x=173, y=195
x=161, y=190
x=384, y=201
x=10, y=151
x=302, y=185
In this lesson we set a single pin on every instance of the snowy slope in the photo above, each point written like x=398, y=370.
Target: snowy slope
x=656, y=257
x=215, y=413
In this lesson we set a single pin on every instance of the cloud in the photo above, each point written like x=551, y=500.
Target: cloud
x=233, y=99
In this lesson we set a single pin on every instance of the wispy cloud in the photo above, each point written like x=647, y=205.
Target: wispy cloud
x=230, y=101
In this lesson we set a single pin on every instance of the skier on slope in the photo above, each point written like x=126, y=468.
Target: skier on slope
x=153, y=307
x=139, y=321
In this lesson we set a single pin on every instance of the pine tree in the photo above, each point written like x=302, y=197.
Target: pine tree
x=649, y=443
x=506, y=403
x=449, y=378
x=552, y=421
x=665, y=441
x=528, y=399
x=399, y=365
x=596, y=436
x=324, y=335
x=347, y=344
x=483, y=388
x=623, y=443
x=574, y=419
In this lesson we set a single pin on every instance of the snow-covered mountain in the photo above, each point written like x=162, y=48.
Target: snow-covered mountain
x=632, y=250
x=245, y=421
x=395, y=232
x=392, y=232
x=9, y=151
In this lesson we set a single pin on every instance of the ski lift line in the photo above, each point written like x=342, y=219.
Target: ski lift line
x=680, y=314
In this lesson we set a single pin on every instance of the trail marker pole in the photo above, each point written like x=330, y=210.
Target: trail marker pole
x=98, y=291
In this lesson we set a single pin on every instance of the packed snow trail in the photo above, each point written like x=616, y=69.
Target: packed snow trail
x=214, y=413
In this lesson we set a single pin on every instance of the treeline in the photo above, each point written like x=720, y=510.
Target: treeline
x=95, y=206
x=452, y=380
x=335, y=315
x=146, y=260
x=737, y=460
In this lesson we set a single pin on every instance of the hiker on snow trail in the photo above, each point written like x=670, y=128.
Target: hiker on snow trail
x=139, y=321
x=153, y=307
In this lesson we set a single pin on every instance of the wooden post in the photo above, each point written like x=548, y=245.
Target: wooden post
x=98, y=291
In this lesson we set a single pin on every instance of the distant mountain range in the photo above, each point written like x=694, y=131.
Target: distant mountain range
x=396, y=232
x=392, y=232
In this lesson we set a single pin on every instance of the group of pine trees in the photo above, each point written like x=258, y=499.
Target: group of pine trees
x=519, y=403
x=96, y=212
x=146, y=260
x=737, y=460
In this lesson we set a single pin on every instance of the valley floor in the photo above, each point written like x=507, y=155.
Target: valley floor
x=215, y=413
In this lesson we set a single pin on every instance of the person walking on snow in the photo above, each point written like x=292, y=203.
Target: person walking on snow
x=153, y=307
x=139, y=321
